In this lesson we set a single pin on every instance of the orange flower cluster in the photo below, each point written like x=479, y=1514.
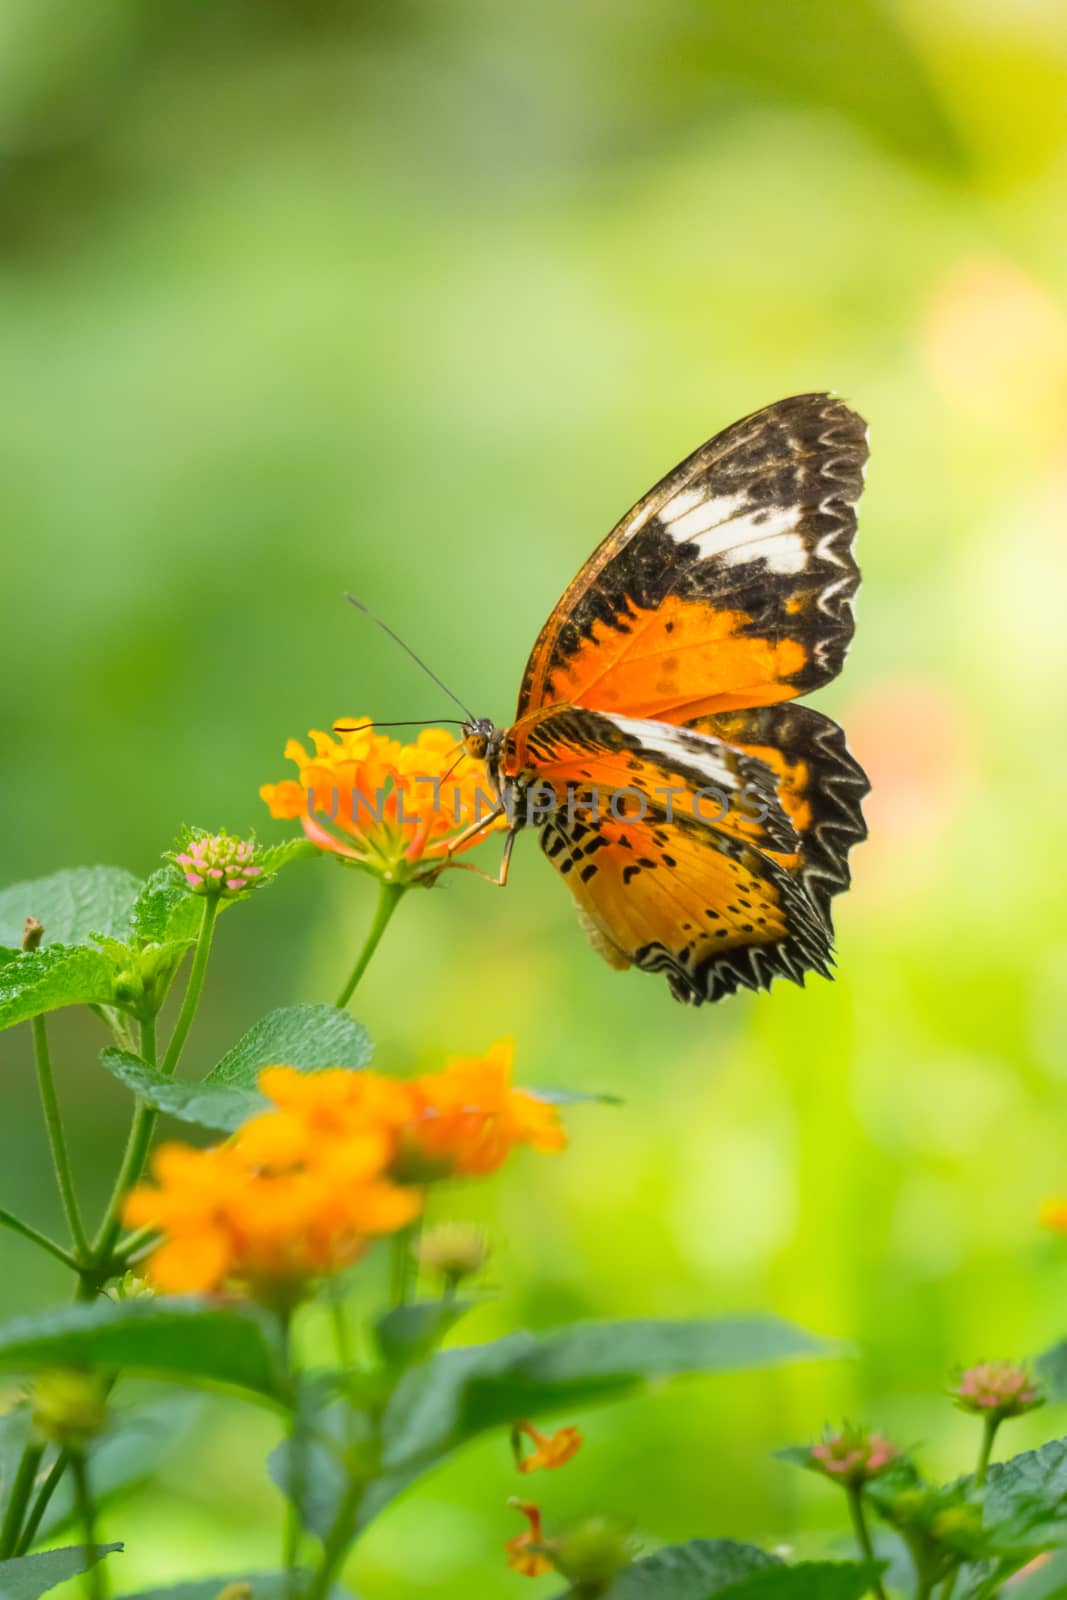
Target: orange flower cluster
x=303, y=1189
x=396, y=809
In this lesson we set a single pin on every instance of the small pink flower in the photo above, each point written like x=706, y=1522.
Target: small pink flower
x=997, y=1389
x=215, y=863
x=853, y=1456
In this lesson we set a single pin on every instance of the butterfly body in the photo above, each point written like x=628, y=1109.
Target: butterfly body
x=702, y=820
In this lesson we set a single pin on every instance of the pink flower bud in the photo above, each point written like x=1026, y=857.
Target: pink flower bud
x=218, y=864
x=853, y=1456
x=997, y=1389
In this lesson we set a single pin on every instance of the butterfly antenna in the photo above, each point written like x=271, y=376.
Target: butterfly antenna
x=417, y=659
x=409, y=722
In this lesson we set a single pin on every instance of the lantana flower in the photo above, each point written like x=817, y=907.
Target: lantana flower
x=302, y=1189
x=231, y=1217
x=473, y=1118
x=398, y=810
x=997, y=1389
x=1054, y=1214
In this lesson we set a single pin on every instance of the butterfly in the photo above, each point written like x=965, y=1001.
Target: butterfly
x=702, y=819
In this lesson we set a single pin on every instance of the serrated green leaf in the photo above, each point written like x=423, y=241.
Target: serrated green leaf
x=137, y=1441
x=33, y=982
x=1027, y=1494
x=461, y=1393
x=166, y=909
x=194, y=1339
x=309, y=1037
x=806, y=1580
x=220, y=1106
x=693, y=1571
x=72, y=905
x=277, y=856
x=29, y=1576
x=411, y=1333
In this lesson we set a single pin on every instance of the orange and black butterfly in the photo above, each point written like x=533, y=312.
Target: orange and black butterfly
x=666, y=673
x=702, y=820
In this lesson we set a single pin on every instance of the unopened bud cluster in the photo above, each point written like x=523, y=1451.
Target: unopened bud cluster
x=216, y=863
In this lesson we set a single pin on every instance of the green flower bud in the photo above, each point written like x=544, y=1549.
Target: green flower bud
x=593, y=1553
x=69, y=1407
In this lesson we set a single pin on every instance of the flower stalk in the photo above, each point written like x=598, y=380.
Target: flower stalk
x=21, y=1490
x=144, y=1119
x=858, y=1515
x=57, y=1139
x=389, y=896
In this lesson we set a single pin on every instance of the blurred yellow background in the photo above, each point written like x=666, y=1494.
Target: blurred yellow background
x=414, y=299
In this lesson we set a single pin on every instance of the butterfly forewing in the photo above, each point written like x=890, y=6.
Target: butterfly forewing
x=729, y=585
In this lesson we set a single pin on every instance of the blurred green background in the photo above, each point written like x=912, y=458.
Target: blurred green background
x=414, y=298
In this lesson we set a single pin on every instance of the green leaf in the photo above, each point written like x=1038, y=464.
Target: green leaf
x=574, y=1097
x=1051, y=1369
x=461, y=1393
x=307, y=1037
x=277, y=856
x=411, y=1333
x=194, y=1339
x=1027, y=1493
x=319, y=1481
x=264, y=1586
x=692, y=1571
x=167, y=909
x=14, y=1435
x=219, y=1106
x=29, y=1576
x=35, y=981
x=138, y=1440
x=806, y=1580
x=72, y=905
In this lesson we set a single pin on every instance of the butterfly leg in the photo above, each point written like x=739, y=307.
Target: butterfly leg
x=500, y=881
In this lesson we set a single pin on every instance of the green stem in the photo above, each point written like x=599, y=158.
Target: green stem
x=21, y=1490
x=144, y=1117
x=989, y=1433
x=403, y=1265
x=40, y=1505
x=134, y=1244
x=296, y=1463
x=388, y=899
x=83, y=1500
x=16, y=1224
x=57, y=1138
x=194, y=986
x=342, y=1333
x=863, y=1534
x=337, y=1542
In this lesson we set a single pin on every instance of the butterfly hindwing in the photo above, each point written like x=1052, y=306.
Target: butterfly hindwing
x=729, y=585
x=659, y=885
x=820, y=784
